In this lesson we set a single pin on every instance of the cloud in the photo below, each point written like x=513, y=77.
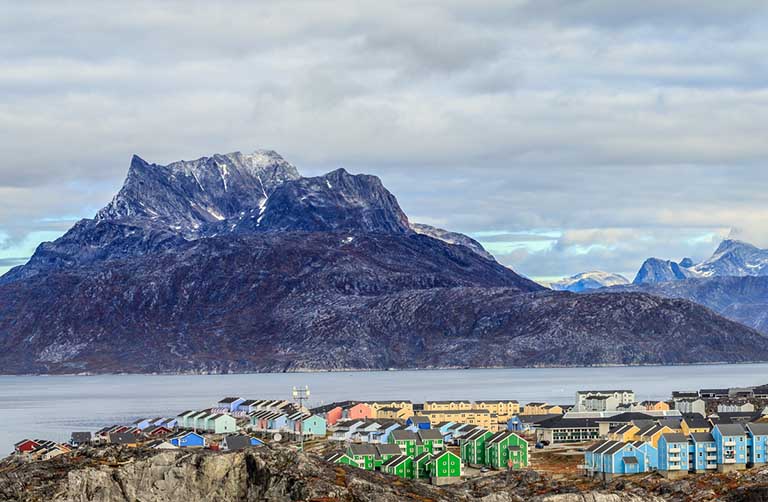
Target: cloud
x=591, y=134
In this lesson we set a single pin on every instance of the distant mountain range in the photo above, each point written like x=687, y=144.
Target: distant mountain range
x=588, y=280
x=235, y=263
x=732, y=258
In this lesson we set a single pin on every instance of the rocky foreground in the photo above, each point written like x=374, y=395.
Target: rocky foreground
x=281, y=474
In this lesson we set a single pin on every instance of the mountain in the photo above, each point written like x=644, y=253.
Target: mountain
x=731, y=258
x=654, y=270
x=588, y=280
x=452, y=238
x=741, y=299
x=236, y=263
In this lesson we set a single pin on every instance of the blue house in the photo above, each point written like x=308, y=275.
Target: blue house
x=673, y=455
x=419, y=422
x=651, y=454
x=142, y=423
x=278, y=423
x=756, y=446
x=230, y=403
x=187, y=440
x=609, y=459
x=314, y=425
x=731, y=441
x=515, y=424
x=703, y=453
x=386, y=430
x=256, y=442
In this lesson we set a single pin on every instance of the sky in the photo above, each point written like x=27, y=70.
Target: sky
x=566, y=136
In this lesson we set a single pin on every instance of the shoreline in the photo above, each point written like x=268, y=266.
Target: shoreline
x=384, y=370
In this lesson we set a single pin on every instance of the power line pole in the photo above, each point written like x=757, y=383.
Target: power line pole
x=301, y=394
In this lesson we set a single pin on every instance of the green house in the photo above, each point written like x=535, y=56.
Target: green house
x=445, y=465
x=432, y=439
x=384, y=452
x=364, y=455
x=401, y=466
x=341, y=458
x=421, y=465
x=409, y=442
x=506, y=449
x=473, y=446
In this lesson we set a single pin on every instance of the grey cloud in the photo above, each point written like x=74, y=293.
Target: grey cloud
x=508, y=116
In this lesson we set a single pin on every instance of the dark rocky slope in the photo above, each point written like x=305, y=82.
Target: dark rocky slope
x=235, y=263
x=741, y=299
x=294, y=301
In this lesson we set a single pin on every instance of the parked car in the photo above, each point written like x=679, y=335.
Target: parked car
x=539, y=446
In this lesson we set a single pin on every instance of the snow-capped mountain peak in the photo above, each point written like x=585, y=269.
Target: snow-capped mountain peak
x=589, y=280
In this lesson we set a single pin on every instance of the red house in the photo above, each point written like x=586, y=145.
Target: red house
x=26, y=445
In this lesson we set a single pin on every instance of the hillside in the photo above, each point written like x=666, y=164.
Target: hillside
x=235, y=263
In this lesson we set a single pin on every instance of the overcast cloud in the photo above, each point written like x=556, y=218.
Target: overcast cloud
x=565, y=135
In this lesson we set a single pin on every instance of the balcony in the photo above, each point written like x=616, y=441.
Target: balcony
x=729, y=442
x=673, y=467
x=674, y=449
x=729, y=460
x=711, y=448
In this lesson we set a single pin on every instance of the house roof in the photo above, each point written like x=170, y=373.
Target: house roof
x=702, y=437
x=605, y=446
x=123, y=438
x=419, y=419
x=675, y=437
x=594, y=446
x=672, y=423
x=603, y=391
x=536, y=419
x=430, y=434
x=616, y=447
x=81, y=437
x=758, y=429
x=464, y=401
x=229, y=400
x=649, y=430
x=363, y=449
x=627, y=416
x=388, y=449
x=237, y=441
x=395, y=461
x=422, y=456
x=442, y=454
x=496, y=401
x=334, y=456
x=403, y=435
x=696, y=421
x=559, y=422
x=731, y=429
x=629, y=460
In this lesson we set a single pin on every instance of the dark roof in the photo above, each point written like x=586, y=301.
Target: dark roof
x=629, y=460
x=672, y=423
x=229, y=399
x=403, y=435
x=81, y=437
x=388, y=449
x=430, y=434
x=616, y=447
x=420, y=419
x=558, y=422
x=696, y=421
x=594, y=446
x=731, y=429
x=495, y=401
x=333, y=457
x=422, y=456
x=363, y=449
x=237, y=441
x=536, y=419
x=758, y=429
x=625, y=417
x=649, y=430
x=703, y=437
x=450, y=401
x=328, y=407
x=395, y=461
x=123, y=438
x=675, y=437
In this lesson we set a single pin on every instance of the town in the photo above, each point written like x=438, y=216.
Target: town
x=604, y=434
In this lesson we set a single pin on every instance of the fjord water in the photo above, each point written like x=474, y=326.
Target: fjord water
x=50, y=407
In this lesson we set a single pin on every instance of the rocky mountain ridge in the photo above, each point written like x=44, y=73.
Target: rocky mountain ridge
x=732, y=258
x=310, y=274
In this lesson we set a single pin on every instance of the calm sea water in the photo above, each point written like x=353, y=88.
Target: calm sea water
x=50, y=407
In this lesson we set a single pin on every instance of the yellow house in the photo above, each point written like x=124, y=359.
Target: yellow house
x=695, y=423
x=541, y=409
x=406, y=406
x=553, y=409
x=447, y=405
x=503, y=409
x=652, y=433
x=625, y=433
x=393, y=413
x=481, y=418
x=655, y=405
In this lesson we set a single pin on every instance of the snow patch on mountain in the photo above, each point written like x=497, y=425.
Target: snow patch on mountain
x=589, y=280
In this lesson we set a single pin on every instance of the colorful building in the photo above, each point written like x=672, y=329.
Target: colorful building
x=401, y=466
x=731, y=442
x=472, y=446
x=506, y=449
x=445, y=468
